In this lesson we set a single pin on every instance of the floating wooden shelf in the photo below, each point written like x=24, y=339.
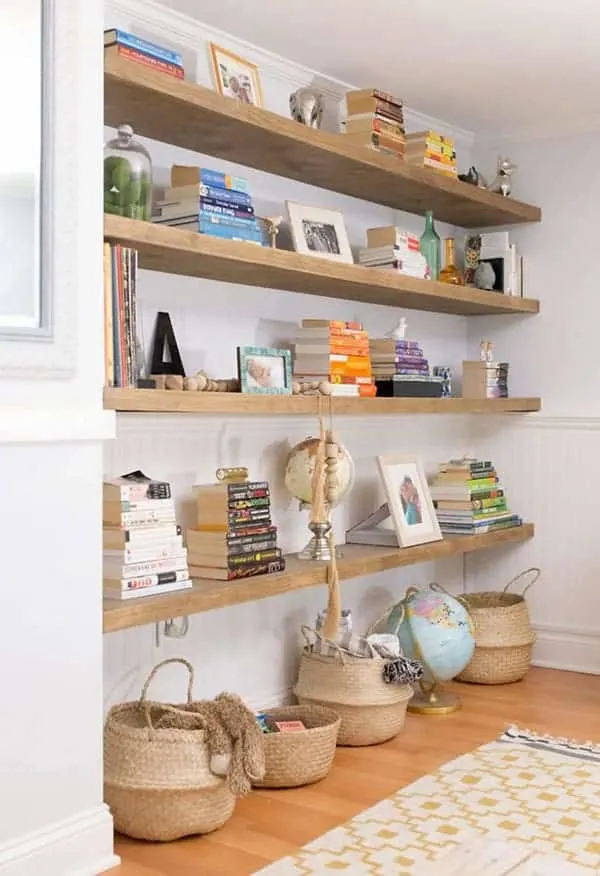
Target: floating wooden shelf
x=239, y=404
x=199, y=119
x=175, y=251
x=357, y=560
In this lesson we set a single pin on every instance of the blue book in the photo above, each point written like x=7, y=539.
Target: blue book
x=228, y=208
x=115, y=35
x=228, y=232
x=223, y=180
x=249, y=223
x=235, y=198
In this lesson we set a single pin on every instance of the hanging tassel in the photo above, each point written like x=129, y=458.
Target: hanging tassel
x=334, y=601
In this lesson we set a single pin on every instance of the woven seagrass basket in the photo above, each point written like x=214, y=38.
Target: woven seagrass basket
x=371, y=710
x=303, y=756
x=157, y=782
x=504, y=637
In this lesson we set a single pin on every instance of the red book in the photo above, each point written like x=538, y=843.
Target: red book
x=119, y=50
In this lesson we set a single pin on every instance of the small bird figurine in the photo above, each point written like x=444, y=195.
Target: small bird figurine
x=399, y=330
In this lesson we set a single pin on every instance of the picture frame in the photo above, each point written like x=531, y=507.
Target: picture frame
x=235, y=77
x=318, y=232
x=265, y=370
x=409, y=500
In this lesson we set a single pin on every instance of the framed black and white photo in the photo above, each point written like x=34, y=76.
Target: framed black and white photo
x=318, y=232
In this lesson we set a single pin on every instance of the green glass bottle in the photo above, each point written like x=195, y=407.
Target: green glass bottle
x=431, y=247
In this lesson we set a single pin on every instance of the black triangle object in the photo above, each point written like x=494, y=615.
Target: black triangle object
x=164, y=337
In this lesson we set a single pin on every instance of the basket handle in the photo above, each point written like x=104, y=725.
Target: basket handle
x=536, y=574
x=158, y=666
x=385, y=616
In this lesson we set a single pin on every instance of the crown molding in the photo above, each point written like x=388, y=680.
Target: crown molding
x=191, y=33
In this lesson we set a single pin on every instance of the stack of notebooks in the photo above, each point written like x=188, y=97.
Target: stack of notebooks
x=337, y=352
x=375, y=119
x=469, y=498
x=401, y=369
x=120, y=44
x=209, y=202
x=143, y=547
x=234, y=536
x=430, y=149
x=392, y=248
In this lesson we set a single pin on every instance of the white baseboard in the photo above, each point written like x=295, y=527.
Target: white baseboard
x=567, y=648
x=78, y=846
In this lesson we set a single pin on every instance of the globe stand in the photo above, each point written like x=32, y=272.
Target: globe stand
x=318, y=547
x=433, y=701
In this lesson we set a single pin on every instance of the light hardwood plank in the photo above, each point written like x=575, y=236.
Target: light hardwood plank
x=233, y=403
x=559, y=703
x=197, y=118
x=357, y=560
x=177, y=251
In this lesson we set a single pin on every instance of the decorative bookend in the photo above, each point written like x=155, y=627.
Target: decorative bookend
x=164, y=342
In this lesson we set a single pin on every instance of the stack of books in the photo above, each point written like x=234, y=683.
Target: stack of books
x=209, y=202
x=485, y=379
x=120, y=44
x=234, y=536
x=143, y=546
x=337, y=352
x=401, y=369
x=469, y=498
x=375, y=119
x=122, y=348
x=394, y=249
x=430, y=149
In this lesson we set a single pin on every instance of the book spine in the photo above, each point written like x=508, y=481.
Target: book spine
x=218, y=180
x=248, y=530
x=260, y=491
x=115, y=316
x=229, y=232
x=217, y=205
x=267, y=568
x=127, y=313
x=149, y=60
x=109, y=361
x=145, y=553
x=136, y=492
x=122, y=335
x=248, y=515
x=146, y=519
x=247, y=223
x=262, y=503
x=118, y=570
x=249, y=559
x=154, y=580
x=128, y=39
x=262, y=532
x=148, y=535
x=225, y=197
x=250, y=545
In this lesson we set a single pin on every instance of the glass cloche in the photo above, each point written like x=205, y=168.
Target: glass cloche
x=127, y=176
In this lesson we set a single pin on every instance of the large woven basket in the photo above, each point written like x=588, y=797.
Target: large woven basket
x=157, y=782
x=371, y=710
x=303, y=756
x=504, y=638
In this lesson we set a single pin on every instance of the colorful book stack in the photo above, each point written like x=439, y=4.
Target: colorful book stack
x=143, y=546
x=209, y=202
x=375, y=119
x=120, y=44
x=337, y=352
x=469, y=498
x=234, y=536
x=392, y=248
x=430, y=149
x=401, y=369
x=122, y=347
x=485, y=379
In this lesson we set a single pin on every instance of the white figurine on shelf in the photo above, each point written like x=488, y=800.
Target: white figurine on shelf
x=399, y=330
x=486, y=351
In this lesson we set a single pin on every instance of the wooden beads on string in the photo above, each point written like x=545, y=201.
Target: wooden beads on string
x=311, y=387
x=201, y=382
x=331, y=467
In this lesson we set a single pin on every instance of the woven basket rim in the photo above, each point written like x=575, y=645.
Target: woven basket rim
x=510, y=600
x=505, y=646
x=162, y=734
x=334, y=720
x=405, y=692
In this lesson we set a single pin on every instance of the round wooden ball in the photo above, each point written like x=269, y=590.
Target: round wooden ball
x=202, y=381
x=296, y=387
x=174, y=381
x=325, y=388
x=191, y=384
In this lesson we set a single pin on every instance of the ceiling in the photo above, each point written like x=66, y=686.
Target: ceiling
x=491, y=66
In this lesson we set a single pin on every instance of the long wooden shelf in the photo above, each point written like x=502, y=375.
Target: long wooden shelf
x=240, y=404
x=197, y=118
x=357, y=560
x=176, y=251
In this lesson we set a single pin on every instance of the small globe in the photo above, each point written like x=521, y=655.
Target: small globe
x=300, y=467
x=435, y=628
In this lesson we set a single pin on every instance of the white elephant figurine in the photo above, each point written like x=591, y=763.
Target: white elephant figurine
x=306, y=107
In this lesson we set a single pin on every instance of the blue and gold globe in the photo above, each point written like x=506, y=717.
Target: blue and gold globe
x=435, y=628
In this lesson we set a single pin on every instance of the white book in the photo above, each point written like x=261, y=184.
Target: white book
x=159, y=590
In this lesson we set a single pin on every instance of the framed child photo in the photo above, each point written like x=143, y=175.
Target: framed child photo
x=235, y=77
x=265, y=370
x=318, y=232
x=409, y=500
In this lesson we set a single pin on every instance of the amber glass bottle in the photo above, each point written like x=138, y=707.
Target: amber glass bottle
x=450, y=273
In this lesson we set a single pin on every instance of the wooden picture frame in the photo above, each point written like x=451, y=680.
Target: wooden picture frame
x=409, y=500
x=235, y=77
x=319, y=233
x=265, y=370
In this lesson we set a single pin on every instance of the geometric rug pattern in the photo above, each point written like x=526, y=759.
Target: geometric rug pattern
x=534, y=791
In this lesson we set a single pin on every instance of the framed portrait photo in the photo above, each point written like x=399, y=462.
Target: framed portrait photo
x=318, y=232
x=235, y=77
x=265, y=370
x=409, y=500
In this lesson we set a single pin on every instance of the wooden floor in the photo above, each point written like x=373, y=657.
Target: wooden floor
x=268, y=825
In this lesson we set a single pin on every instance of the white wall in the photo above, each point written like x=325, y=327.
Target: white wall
x=549, y=461
x=51, y=430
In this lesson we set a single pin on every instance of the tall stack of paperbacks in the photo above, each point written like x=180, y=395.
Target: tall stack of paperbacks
x=430, y=149
x=337, y=352
x=395, y=249
x=401, y=369
x=375, y=119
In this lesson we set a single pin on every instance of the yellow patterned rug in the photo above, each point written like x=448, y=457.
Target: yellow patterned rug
x=526, y=789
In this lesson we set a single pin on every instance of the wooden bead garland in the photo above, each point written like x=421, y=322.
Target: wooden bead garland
x=201, y=382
